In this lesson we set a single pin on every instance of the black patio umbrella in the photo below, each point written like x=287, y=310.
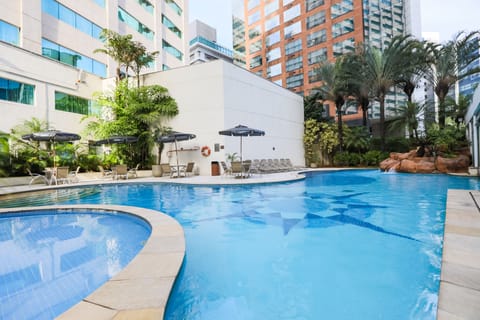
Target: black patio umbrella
x=242, y=131
x=52, y=136
x=175, y=136
x=116, y=140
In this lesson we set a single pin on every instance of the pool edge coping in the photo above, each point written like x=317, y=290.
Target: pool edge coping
x=141, y=289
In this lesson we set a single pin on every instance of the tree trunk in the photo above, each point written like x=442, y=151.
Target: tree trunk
x=382, y=121
x=340, y=125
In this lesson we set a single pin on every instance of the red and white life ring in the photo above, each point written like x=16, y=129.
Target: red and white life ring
x=205, y=151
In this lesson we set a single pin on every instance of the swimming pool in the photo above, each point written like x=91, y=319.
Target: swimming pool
x=337, y=245
x=51, y=260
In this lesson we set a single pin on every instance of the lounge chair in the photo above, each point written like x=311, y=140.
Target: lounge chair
x=189, y=168
x=36, y=176
x=73, y=175
x=166, y=169
x=133, y=171
x=61, y=175
x=240, y=169
x=105, y=173
x=226, y=170
x=120, y=171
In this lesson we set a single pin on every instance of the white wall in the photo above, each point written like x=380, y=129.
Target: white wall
x=217, y=95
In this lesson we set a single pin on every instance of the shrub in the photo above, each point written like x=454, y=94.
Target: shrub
x=374, y=157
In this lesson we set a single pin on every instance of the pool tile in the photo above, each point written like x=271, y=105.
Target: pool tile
x=163, y=244
x=142, y=314
x=460, y=301
x=462, y=275
x=147, y=265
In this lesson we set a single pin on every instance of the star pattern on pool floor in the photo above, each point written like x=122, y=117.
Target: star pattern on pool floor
x=310, y=210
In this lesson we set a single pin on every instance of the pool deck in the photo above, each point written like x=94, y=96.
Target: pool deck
x=140, y=291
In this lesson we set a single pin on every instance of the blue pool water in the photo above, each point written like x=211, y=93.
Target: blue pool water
x=337, y=245
x=51, y=260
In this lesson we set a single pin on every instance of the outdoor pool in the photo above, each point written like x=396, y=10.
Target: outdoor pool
x=337, y=245
x=51, y=260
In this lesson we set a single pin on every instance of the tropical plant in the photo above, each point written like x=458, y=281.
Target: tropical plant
x=141, y=59
x=381, y=69
x=452, y=62
x=135, y=112
x=310, y=137
x=334, y=87
x=408, y=117
x=357, y=139
x=328, y=138
x=313, y=108
x=457, y=109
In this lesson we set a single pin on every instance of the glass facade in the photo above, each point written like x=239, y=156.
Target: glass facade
x=313, y=76
x=272, y=23
x=316, y=19
x=382, y=21
x=295, y=81
x=291, y=13
x=274, y=54
x=146, y=5
x=172, y=50
x=317, y=37
x=101, y=3
x=253, y=3
x=271, y=7
x=255, y=46
x=57, y=52
x=312, y=4
x=274, y=70
x=272, y=38
x=124, y=16
x=293, y=46
x=169, y=24
x=74, y=104
x=18, y=92
x=256, y=62
x=293, y=29
x=9, y=33
x=343, y=47
x=341, y=8
x=317, y=56
x=342, y=27
x=254, y=17
x=254, y=32
x=172, y=4
x=72, y=18
x=294, y=64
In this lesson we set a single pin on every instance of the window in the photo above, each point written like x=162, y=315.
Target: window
x=101, y=3
x=74, y=104
x=165, y=67
x=316, y=37
x=274, y=54
x=294, y=64
x=134, y=23
x=313, y=76
x=312, y=4
x=16, y=91
x=317, y=56
x=254, y=32
x=293, y=46
x=342, y=27
x=254, y=17
x=146, y=5
x=272, y=38
x=255, y=46
x=70, y=17
x=285, y=2
x=341, y=8
x=9, y=33
x=316, y=19
x=293, y=29
x=172, y=50
x=279, y=82
x=342, y=47
x=253, y=3
x=169, y=24
x=295, y=81
x=272, y=23
x=172, y=4
x=256, y=61
x=274, y=70
x=56, y=52
x=271, y=7
x=291, y=13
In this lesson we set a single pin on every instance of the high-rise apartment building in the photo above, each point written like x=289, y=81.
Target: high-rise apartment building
x=285, y=40
x=204, y=46
x=69, y=30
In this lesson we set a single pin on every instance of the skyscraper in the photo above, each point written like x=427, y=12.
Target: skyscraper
x=285, y=40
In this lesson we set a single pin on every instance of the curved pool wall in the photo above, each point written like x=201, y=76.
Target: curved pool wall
x=141, y=289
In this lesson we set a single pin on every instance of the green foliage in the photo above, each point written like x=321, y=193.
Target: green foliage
x=446, y=139
x=328, y=139
x=313, y=108
x=374, y=157
x=395, y=144
x=310, y=137
x=357, y=139
x=345, y=158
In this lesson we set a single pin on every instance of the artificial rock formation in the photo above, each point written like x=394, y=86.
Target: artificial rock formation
x=410, y=163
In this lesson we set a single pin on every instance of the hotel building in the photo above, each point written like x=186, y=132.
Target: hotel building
x=285, y=40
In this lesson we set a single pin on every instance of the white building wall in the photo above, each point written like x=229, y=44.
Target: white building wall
x=217, y=95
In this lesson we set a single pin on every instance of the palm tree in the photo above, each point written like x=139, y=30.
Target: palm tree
x=408, y=117
x=119, y=48
x=457, y=109
x=381, y=69
x=452, y=62
x=313, y=108
x=141, y=59
x=334, y=87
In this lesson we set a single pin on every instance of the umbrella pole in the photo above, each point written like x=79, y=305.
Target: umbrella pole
x=176, y=152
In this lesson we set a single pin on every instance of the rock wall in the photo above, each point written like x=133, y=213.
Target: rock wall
x=410, y=163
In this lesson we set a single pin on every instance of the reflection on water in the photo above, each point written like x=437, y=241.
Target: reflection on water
x=55, y=260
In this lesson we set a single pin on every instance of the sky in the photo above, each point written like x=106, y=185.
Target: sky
x=444, y=16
